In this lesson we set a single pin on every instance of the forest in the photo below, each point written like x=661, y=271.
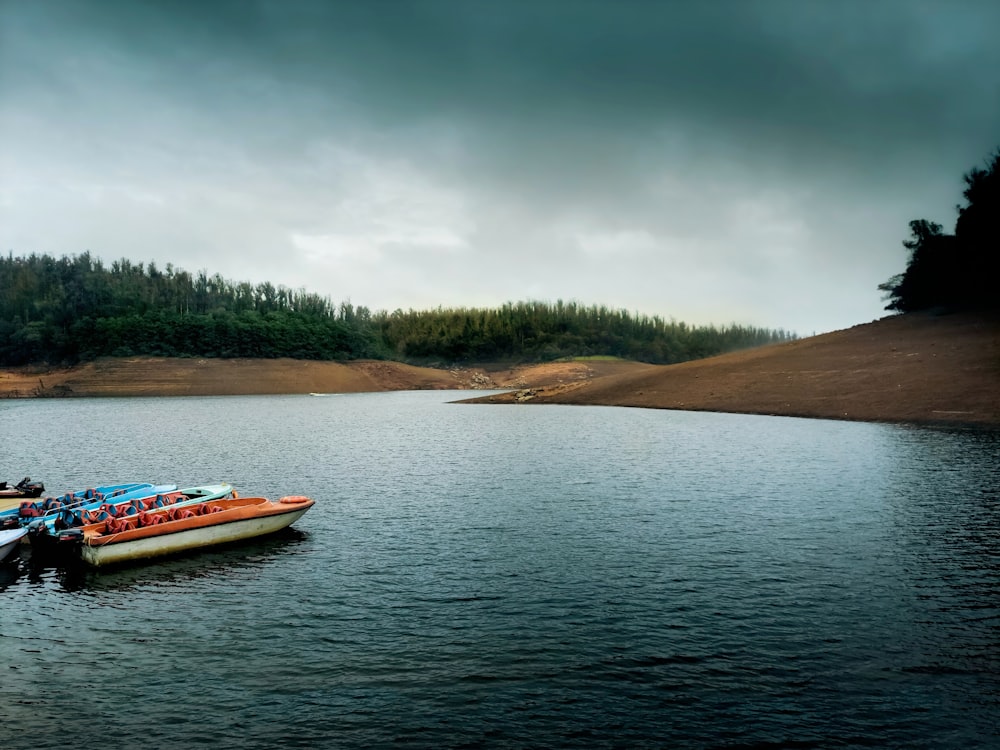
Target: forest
x=75, y=308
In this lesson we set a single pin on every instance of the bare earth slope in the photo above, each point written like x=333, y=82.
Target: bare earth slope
x=924, y=369
x=915, y=368
x=155, y=376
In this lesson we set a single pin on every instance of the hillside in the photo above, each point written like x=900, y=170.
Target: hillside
x=920, y=368
x=156, y=376
x=917, y=368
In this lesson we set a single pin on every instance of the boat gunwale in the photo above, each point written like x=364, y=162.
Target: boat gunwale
x=186, y=496
x=75, y=501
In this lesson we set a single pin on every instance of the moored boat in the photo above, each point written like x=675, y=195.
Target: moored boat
x=131, y=499
x=11, y=496
x=45, y=537
x=9, y=541
x=48, y=510
x=24, y=488
x=156, y=497
x=35, y=508
x=167, y=531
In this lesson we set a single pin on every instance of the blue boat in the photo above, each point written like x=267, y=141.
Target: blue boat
x=30, y=511
x=50, y=521
x=131, y=507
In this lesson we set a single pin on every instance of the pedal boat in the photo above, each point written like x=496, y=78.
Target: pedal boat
x=45, y=538
x=48, y=508
x=167, y=531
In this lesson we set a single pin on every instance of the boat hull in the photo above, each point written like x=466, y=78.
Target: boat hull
x=169, y=542
x=10, y=540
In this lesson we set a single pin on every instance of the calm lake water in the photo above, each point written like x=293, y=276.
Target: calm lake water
x=503, y=576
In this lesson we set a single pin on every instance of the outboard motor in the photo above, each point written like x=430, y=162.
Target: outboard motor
x=34, y=489
x=70, y=536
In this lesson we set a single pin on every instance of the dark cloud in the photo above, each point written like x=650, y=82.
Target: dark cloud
x=759, y=145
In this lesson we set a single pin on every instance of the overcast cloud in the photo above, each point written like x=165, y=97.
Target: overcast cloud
x=712, y=162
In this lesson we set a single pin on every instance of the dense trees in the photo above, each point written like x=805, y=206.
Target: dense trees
x=960, y=270
x=74, y=308
x=538, y=331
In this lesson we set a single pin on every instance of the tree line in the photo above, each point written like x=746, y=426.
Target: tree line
x=957, y=271
x=75, y=308
x=540, y=331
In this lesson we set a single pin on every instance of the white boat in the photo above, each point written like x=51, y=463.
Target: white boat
x=166, y=531
x=10, y=539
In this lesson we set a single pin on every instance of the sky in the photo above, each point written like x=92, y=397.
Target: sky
x=747, y=161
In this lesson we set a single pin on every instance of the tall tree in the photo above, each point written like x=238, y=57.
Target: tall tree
x=977, y=232
x=960, y=270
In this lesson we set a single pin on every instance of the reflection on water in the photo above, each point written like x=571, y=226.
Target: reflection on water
x=503, y=576
x=72, y=575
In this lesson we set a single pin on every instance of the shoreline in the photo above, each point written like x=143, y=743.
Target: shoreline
x=934, y=370
x=940, y=370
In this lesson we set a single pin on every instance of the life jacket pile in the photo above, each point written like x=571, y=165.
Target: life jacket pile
x=72, y=518
x=127, y=522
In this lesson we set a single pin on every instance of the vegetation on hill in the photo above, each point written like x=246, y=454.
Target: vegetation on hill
x=538, y=331
x=955, y=271
x=74, y=308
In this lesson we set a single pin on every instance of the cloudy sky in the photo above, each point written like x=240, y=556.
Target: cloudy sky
x=718, y=161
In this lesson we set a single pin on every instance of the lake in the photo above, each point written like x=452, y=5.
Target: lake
x=514, y=576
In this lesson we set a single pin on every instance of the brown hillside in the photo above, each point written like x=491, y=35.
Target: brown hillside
x=154, y=376
x=924, y=369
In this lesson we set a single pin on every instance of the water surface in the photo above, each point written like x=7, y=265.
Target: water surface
x=487, y=575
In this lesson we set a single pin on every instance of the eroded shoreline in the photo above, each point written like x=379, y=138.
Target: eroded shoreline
x=921, y=369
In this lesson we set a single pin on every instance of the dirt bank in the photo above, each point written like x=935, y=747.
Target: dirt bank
x=925, y=369
x=154, y=376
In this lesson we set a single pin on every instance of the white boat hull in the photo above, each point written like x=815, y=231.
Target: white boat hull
x=187, y=539
x=10, y=541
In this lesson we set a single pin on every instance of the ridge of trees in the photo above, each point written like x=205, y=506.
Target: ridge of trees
x=954, y=271
x=74, y=308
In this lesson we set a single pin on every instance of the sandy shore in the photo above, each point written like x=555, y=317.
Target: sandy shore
x=923, y=369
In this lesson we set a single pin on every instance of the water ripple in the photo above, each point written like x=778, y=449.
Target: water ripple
x=494, y=576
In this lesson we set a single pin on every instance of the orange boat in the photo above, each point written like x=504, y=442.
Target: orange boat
x=169, y=530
